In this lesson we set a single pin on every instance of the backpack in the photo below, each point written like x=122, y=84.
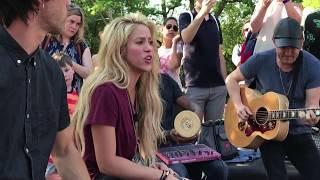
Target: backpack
x=214, y=130
x=247, y=47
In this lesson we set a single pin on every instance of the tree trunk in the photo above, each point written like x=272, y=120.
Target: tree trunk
x=164, y=9
x=191, y=5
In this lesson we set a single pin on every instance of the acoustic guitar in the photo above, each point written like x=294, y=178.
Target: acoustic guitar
x=268, y=122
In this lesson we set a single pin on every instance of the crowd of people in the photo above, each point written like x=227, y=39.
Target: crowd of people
x=67, y=116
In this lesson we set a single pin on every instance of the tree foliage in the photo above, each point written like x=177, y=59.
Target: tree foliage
x=99, y=12
x=232, y=18
x=232, y=14
x=315, y=4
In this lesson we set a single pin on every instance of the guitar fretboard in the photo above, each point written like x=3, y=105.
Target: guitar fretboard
x=291, y=113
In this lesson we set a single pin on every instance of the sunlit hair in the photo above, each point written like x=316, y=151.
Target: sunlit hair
x=62, y=59
x=113, y=68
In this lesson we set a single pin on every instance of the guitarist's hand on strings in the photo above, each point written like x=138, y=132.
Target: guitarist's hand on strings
x=311, y=117
x=243, y=113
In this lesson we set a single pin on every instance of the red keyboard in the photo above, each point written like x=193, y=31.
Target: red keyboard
x=187, y=154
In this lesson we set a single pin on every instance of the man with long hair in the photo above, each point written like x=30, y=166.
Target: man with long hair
x=34, y=113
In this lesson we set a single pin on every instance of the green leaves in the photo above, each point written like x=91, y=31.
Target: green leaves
x=232, y=14
x=314, y=4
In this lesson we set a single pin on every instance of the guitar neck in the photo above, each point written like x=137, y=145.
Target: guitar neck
x=291, y=113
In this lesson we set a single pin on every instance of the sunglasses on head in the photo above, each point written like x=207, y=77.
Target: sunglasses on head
x=174, y=27
x=74, y=7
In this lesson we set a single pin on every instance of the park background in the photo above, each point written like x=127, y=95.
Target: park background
x=232, y=14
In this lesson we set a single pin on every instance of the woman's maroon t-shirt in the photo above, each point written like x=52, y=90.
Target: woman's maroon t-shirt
x=110, y=106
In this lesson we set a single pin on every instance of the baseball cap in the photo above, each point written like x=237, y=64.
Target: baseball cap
x=288, y=33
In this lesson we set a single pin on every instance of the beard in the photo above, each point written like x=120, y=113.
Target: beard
x=52, y=23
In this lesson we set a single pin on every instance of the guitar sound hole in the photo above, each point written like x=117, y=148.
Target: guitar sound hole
x=262, y=116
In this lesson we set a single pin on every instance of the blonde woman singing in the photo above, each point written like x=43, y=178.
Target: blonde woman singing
x=122, y=92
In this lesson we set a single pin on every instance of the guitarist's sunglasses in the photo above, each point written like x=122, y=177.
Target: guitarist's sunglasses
x=174, y=27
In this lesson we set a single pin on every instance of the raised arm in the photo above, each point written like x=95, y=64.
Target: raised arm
x=259, y=14
x=293, y=10
x=176, y=55
x=189, y=32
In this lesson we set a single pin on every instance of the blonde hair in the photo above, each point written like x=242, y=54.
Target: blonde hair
x=113, y=68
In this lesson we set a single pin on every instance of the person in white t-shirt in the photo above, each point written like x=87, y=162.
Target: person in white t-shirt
x=266, y=15
x=170, y=52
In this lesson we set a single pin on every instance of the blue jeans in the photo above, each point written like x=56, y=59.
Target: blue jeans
x=217, y=170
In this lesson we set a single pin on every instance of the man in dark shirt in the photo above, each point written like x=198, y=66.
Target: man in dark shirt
x=294, y=73
x=204, y=64
x=34, y=114
x=173, y=98
x=312, y=34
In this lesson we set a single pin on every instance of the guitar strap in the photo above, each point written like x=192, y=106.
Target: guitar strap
x=296, y=71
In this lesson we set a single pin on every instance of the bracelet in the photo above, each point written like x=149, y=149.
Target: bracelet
x=285, y=1
x=161, y=177
x=166, y=174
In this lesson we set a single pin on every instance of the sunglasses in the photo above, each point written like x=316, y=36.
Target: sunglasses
x=174, y=27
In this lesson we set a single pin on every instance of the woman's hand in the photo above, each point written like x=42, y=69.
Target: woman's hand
x=163, y=167
x=160, y=166
x=176, y=39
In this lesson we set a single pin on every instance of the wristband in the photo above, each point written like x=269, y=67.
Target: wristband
x=161, y=177
x=285, y=1
x=166, y=174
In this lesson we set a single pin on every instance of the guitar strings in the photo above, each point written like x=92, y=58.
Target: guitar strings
x=281, y=111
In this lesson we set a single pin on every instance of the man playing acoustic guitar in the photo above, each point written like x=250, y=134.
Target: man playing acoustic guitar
x=294, y=73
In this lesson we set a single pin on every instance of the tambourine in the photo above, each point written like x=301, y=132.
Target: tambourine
x=187, y=124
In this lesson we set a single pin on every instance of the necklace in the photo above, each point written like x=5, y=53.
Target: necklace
x=283, y=87
x=133, y=122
